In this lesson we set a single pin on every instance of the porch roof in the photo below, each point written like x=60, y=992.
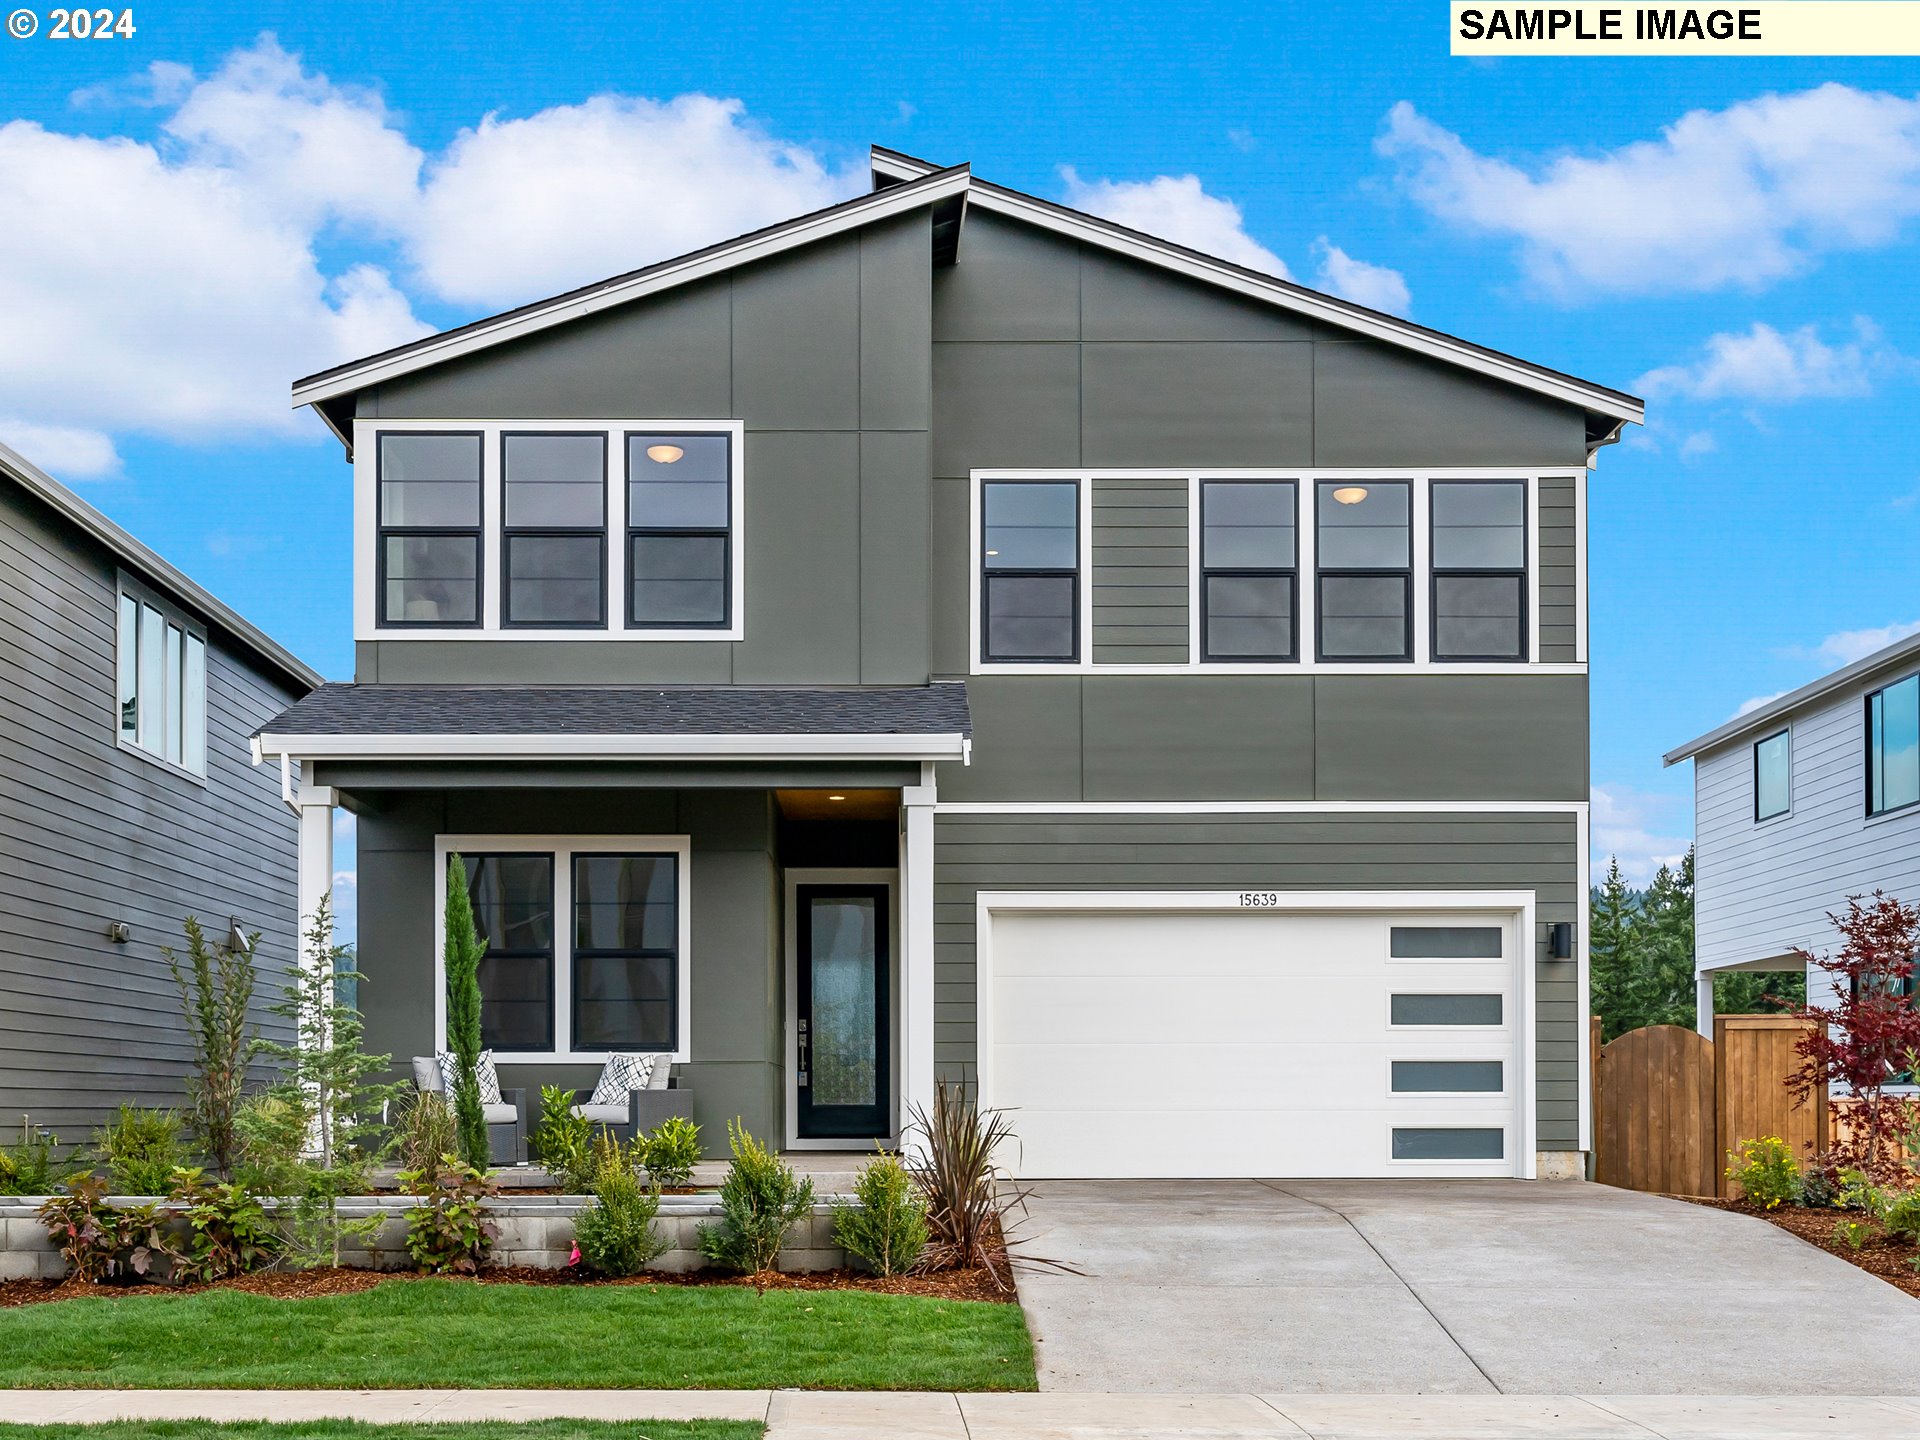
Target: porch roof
x=346, y=721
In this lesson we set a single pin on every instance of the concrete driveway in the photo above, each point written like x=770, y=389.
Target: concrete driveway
x=1403, y=1286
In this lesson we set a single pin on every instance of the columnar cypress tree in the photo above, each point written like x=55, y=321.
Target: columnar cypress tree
x=464, y=947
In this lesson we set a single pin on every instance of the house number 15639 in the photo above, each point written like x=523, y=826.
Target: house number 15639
x=1259, y=899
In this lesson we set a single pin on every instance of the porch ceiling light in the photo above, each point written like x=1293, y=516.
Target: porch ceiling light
x=1348, y=494
x=836, y=797
x=667, y=454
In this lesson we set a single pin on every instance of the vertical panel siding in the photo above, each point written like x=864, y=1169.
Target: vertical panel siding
x=1559, y=555
x=96, y=834
x=1285, y=852
x=1140, y=547
x=1764, y=888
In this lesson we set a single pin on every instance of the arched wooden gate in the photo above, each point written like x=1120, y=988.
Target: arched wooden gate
x=1654, y=1113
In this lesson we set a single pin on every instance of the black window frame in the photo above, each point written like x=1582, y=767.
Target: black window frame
x=1322, y=573
x=1291, y=574
x=1873, y=756
x=1787, y=809
x=509, y=533
x=990, y=572
x=1436, y=572
x=552, y=952
x=576, y=952
x=638, y=532
x=381, y=530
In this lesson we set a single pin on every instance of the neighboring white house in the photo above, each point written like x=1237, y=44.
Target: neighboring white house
x=1798, y=804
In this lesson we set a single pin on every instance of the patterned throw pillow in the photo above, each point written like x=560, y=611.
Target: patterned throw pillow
x=484, y=1072
x=620, y=1074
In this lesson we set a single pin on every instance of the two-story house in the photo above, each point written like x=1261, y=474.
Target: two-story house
x=1799, y=804
x=128, y=694
x=949, y=634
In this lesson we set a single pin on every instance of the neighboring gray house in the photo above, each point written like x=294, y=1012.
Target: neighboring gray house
x=949, y=634
x=127, y=695
x=1798, y=804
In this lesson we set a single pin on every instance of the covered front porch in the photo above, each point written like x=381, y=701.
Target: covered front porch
x=752, y=907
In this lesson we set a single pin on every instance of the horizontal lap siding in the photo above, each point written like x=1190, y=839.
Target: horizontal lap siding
x=96, y=834
x=1537, y=852
x=1559, y=557
x=1139, y=572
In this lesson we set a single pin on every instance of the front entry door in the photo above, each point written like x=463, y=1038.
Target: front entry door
x=844, y=1046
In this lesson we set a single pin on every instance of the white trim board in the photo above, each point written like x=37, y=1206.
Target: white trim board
x=1521, y=904
x=790, y=882
x=1260, y=807
x=615, y=747
x=562, y=848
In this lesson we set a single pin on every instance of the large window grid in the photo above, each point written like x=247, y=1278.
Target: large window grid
x=553, y=534
x=1364, y=533
x=1030, y=571
x=1893, y=746
x=428, y=529
x=1249, y=570
x=1478, y=553
x=679, y=520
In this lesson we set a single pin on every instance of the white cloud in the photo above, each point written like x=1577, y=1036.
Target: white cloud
x=1374, y=286
x=1633, y=827
x=1843, y=647
x=1747, y=707
x=1742, y=196
x=1176, y=208
x=63, y=451
x=1700, y=442
x=1243, y=140
x=517, y=209
x=1764, y=364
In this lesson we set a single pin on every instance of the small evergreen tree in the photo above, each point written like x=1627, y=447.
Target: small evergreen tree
x=1663, y=990
x=216, y=987
x=1613, y=951
x=464, y=947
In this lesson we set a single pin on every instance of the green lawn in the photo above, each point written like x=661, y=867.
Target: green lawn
x=458, y=1334
x=354, y=1430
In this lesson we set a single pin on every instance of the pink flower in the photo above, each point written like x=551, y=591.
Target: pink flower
x=574, y=1259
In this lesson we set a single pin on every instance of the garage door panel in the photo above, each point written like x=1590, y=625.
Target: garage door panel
x=1135, y=1010
x=1186, y=1076
x=1154, y=945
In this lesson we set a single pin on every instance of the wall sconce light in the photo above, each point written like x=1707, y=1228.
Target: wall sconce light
x=237, y=941
x=119, y=932
x=1560, y=940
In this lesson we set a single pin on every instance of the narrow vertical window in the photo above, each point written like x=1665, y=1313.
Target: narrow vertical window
x=554, y=541
x=176, y=693
x=153, y=680
x=513, y=913
x=626, y=939
x=679, y=531
x=1364, y=533
x=128, y=668
x=160, y=685
x=1479, y=569
x=1893, y=746
x=428, y=554
x=1249, y=583
x=1772, y=776
x=193, y=693
x=1030, y=570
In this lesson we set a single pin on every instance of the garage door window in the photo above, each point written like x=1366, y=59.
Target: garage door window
x=1445, y=942
x=1448, y=1077
x=1438, y=1143
x=1446, y=1010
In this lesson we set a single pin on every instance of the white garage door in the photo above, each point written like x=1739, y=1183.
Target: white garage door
x=1256, y=1043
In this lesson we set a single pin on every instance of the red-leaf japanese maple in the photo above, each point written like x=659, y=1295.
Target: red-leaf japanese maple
x=1870, y=1031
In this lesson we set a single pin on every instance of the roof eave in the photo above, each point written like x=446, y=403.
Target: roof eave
x=952, y=745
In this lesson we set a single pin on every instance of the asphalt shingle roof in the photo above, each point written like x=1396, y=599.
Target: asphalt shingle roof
x=936, y=709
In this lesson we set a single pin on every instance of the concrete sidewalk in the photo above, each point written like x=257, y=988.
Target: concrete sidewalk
x=841, y=1415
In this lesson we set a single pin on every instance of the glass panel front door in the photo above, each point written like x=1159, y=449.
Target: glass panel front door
x=844, y=1054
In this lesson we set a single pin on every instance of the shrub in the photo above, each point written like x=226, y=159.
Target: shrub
x=29, y=1168
x=216, y=986
x=886, y=1226
x=425, y=1131
x=1853, y=1234
x=448, y=1232
x=270, y=1133
x=671, y=1150
x=1765, y=1171
x=961, y=1182
x=563, y=1141
x=1819, y=1187
x=464, y=949
x=617, y=1235
x=141, y=1149
x=103, y=1242
x=760, y=1200
x=230, y=1233
x=1901, y=1215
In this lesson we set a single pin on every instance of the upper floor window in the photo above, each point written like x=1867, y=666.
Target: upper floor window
x=1030, y=570
x=1893, y=746
x=554, y=531
x=679, y=514
x=429, y=529
x=1479, y=569
x=162, y=682
x=1365, y=559
x=1249, y=581
x=1773, y=776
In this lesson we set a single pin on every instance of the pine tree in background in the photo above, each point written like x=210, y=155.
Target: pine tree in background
x=1664, y=979
x=1612, y=950
x=464, y=947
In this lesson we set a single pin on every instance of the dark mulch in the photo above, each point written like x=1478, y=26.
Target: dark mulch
x=1882, y=1255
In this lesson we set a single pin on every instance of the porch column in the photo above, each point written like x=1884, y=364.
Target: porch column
x=1703, y=1002
x=916, y=946
x=315, y=804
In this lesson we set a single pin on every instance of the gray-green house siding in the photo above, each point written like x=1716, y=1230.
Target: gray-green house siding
x=1140, y=572
x=1372, y=851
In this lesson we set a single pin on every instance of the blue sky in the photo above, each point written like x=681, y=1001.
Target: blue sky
x=238, y=195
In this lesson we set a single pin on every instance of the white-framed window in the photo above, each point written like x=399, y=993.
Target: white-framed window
x=1773, y=775
x=1300, y=570
x=161, y=681
x=528, y=528
x=588, y=943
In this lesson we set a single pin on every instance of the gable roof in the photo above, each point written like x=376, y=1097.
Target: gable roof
x=1607, y=409
x=904, y=183
x=157, y=572
x=1900, y=653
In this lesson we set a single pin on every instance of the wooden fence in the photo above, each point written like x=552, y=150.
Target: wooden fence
x=1669, y=1103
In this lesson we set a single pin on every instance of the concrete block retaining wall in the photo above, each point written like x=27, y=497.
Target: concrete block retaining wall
x=534, y=1230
